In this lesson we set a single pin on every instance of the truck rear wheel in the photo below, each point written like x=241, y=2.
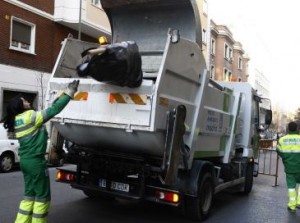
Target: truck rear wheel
x=198, y=208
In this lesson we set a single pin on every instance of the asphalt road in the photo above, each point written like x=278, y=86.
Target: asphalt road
x=265, y=204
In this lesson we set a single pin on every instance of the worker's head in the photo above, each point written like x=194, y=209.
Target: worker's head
x=15, y=106
x=292, y=127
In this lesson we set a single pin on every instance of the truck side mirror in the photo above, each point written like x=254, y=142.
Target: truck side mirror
x=268, y=117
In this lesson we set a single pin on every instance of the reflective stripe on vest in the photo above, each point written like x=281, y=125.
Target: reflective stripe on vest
x=28, y=122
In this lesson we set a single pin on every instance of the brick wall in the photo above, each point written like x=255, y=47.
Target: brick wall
x=44, y=5
x=49, y=36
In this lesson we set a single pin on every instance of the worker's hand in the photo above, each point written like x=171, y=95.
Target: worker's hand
x=72, y=88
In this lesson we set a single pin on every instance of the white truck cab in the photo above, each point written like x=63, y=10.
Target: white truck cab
x=8, y=151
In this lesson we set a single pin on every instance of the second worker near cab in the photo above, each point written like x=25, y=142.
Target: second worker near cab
x=288, y=148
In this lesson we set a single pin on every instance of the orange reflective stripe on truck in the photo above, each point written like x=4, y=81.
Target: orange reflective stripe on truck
x=128, y=98
x=81, y=96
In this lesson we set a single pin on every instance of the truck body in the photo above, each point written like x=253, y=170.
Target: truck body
x=178, y=138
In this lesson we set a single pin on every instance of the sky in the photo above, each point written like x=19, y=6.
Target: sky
x=269, y=33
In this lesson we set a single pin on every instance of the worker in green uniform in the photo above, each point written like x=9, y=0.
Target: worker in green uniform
x=288, y=148
x=27, y=125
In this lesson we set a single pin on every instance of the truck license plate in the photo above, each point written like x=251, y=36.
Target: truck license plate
x=102, y=183
x=120, y=186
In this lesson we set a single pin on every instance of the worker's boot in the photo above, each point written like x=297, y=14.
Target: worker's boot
x=292, y=200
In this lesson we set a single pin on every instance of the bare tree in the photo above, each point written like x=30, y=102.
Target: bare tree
x=297, y=117
x=40, y=87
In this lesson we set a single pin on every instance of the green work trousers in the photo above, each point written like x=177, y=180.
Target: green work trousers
x=292, y=179
x=34, y=208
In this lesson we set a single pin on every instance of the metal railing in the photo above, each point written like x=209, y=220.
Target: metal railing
x=268, y=159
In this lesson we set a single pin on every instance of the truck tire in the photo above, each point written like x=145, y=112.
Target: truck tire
x=6, y=162
x=248, y=178
x=198, y=208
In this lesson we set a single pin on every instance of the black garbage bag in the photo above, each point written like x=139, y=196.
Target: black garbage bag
x=120, y=65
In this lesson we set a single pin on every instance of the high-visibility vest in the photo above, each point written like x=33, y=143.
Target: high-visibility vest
x=28, y=123
x=288, y=148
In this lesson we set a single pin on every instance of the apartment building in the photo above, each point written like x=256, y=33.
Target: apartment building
x=31, y=33
x=239, y=63
x=203, y=12
x=228, y=61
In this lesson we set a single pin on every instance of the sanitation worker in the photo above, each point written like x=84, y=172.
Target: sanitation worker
x=288, y=148
x=27, y=125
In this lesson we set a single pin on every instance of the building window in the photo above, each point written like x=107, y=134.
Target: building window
x=22, y=36
x=213, y=47
x=204, y=36
x=212, y=72
x=240, y=63
x=227, y=52
x=96, y=3
x=227, y=75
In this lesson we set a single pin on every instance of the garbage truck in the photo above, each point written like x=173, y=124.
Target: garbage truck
x=175, y=138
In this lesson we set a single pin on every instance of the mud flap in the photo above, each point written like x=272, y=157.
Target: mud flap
x=174, y=143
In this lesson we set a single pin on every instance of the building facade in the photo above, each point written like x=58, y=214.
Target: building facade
x=31, y=36
x=203, y=11
x=228, y=61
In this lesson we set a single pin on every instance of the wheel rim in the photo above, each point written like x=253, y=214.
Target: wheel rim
x=6, y=163
x=206, y=194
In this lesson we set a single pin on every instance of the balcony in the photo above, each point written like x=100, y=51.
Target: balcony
x=92, y=20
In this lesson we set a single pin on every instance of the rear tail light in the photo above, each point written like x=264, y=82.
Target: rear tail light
x=167, y=196
x=65, y=176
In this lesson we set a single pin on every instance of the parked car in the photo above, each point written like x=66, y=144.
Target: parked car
x=9, y=147
x=8, y=151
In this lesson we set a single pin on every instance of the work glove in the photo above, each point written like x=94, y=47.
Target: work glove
x=72, y=88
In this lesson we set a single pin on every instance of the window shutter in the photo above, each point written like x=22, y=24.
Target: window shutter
x=21, y=32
